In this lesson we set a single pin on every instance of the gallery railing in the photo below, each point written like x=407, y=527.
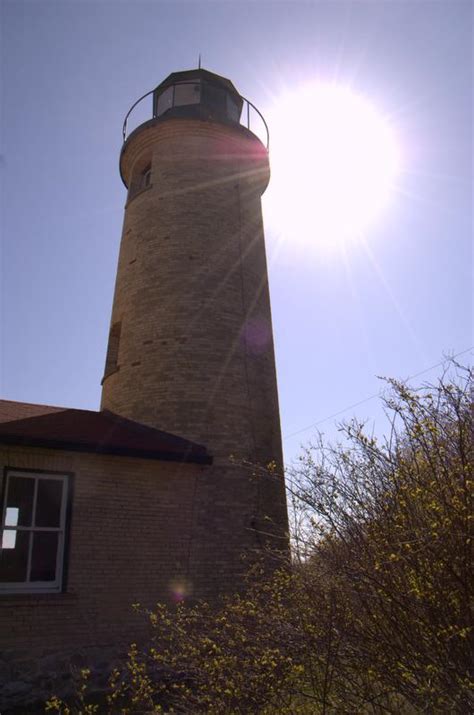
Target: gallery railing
x=250, y=117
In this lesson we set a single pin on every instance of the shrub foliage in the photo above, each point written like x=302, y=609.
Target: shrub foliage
x=373, y=615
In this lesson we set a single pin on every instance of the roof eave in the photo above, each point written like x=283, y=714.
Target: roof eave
x=93, y=448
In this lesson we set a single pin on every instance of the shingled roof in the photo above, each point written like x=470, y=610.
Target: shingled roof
x=89, y=431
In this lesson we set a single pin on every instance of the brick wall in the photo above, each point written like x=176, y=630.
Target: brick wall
x=129, y=542
x=141, y=531
x=196, y=351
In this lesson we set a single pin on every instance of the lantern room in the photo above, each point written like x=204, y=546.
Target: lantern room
x=197, y=94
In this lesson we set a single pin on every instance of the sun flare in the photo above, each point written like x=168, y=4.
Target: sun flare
x=334, y=162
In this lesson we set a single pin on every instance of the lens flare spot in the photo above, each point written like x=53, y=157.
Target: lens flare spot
x=180, y=589
x=256, y=335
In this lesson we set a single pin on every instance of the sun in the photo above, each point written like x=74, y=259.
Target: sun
x=334, y=162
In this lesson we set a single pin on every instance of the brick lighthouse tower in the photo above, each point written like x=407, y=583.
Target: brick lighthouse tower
x=190, y=348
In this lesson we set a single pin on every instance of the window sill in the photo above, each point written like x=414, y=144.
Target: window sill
x=37, y=599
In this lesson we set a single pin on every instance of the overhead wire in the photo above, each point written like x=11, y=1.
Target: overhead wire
x=371, y=397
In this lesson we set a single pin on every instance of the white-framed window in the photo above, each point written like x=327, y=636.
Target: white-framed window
x=34, y=514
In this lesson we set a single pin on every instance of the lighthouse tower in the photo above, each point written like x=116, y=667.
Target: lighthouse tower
x=190, y=347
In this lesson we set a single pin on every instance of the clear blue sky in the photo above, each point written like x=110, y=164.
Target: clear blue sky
x=71, y=69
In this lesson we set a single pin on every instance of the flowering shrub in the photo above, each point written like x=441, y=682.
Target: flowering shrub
x=375, y=613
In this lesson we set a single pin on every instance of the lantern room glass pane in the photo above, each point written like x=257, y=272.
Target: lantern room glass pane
x=187, y=93
x=165, y=101
x=232, y=109
x=48, y=502
x=20, y=496
x=14, y=555
x=44, y=556
x=215, y=99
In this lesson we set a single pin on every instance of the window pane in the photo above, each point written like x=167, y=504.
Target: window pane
x=14, y=556
x=215, y=99
x=11, y=516
x=189, y=93
x=232, y=109
x=48, y=502
x=165, y=101
x=9, y=538
x=44, y=556
x=20, y=496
